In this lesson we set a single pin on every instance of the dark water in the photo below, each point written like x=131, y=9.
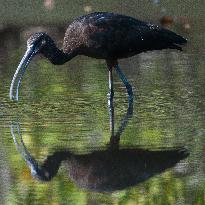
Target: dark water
x=156, y=155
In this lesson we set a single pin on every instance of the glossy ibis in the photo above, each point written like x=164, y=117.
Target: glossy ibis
x=99, y=35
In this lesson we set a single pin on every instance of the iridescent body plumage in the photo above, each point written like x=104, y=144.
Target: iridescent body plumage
x=100, y=35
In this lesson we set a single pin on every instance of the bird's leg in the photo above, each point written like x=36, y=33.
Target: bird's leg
x=110, y=101
x=111, y=90
x=125, y=81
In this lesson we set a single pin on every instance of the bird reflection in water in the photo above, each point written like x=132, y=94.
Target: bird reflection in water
x=103, y=170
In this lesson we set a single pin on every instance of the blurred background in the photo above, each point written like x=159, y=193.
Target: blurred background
x=65, y=107
x=25, y=17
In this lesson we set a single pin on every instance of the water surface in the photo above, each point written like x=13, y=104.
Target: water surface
x=62, y=116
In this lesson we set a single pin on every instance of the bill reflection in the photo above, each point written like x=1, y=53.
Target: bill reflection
x=114, y=168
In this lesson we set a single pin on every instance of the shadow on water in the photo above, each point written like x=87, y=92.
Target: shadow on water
x=115, y=168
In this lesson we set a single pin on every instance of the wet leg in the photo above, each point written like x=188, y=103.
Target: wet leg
x=110, y=102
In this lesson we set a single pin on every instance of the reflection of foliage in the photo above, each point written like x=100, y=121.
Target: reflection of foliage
x=66, y=107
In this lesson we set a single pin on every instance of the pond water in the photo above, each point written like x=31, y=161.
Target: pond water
x=59, y=131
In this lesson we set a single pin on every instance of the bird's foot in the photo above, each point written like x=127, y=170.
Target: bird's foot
x=114, y=142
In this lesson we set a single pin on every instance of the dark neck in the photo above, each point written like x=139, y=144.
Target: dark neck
x=57, y=56
x=50, y=167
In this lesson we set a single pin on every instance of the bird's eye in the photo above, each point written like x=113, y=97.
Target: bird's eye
x=43, y=42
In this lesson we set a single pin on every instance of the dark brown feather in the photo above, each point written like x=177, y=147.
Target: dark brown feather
x=112, y=36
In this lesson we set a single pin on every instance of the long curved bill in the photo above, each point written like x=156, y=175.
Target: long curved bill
x=16, y=81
